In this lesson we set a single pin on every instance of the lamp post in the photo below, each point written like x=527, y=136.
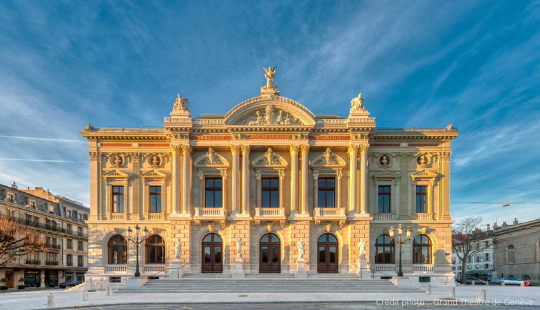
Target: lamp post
x=137, y=242
x=399, y=241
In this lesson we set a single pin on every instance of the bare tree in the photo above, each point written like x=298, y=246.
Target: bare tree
x=467, y=240
x=17, y=240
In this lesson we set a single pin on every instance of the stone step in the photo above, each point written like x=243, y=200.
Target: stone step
x=239, y=291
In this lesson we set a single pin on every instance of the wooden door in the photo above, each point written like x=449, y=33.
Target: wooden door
x=9, y=276
x=327, y=256
x=212, y=254
x=270, y=254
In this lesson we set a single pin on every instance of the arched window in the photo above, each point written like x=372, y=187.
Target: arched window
x=384, y=250
x=117, y=249
x=510, y=254
x=422, y=250
x=155, y=250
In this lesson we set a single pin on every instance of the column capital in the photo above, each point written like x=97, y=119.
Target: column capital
x=445, y=156
x=235, y=148
x=94, y=156
x=363, y=148
x=339, y=173
x=353, y=149
x=186, y=149
x=281, y=173
x=136, y=157
x=224, y=173
x=294, y=149
x=304, y=148
x=245, y=149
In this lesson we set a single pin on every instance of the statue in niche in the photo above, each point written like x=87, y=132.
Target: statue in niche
x=301, y=250
x=362, y=249
x=384, y=160
x=357, y=104
x=422, y=160
x=270, y=76
x=117, y=161
x=155, y=161
x=177, y=249
x=239, y=245
x=181, y=104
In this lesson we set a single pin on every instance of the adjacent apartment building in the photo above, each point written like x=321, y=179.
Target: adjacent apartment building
x=62, y=222
x=265, y=183
x=480, y=265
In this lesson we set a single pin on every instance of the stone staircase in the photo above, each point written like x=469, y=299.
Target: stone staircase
x=267, y=283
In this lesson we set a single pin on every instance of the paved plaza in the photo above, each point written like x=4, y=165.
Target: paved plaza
x=505, y=297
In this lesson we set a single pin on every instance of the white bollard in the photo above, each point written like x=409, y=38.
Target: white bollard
x=503, y=284
x=51, y=301
x=522, y=284
x=84, y=295
x=451, y=292
x=428, y=289
x=486, y=283
x=109, y=291
x=482, y=295
x=472, y=282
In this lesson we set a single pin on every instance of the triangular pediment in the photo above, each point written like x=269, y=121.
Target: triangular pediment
x=154, y=174
x=270, y=160
x=328, y=160
x=211, y=159
x=115, y=174
x=424, y=174
x=386, y=174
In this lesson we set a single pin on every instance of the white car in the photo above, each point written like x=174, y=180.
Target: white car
x=509, y=281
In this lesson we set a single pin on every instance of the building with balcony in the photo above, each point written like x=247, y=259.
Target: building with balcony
x=271, y=173
x=66, y=237
x=480, y=264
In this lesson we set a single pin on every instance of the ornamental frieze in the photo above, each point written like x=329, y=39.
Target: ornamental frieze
x=270, y=116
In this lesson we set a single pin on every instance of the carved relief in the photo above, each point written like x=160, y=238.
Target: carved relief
x=426, y=159
x=328, y=159
x=271, y=116
x=384, y=160
x=181, y=104
x=155, y=161
x=117, y=160
x=211, y=158
x=270, y=159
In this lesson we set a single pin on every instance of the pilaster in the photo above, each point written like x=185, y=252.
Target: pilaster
x=245, y=179
x=294, y=179
x=444, y=196
x=235, y=191
x=186, y=179
x=304, y=149
x=95, y=168
x=363, y=178
x=352, y=151
x=176, y=153
x=136, y=183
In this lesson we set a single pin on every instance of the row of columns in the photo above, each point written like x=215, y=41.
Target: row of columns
x=181, y=178
x=358, y=204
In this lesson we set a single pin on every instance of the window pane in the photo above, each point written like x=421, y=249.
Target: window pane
x=266, y=199
x=217, y=254
x=264, y=238
x=207, y=254
x=275, y=254
x=274, y=199
x=275, y=238
x=209, y=199
x=322, y=199
x=322, y=183
x=333, y=254
x=264, y=254
x=322, y=257
x=274, y=183
x=331, y=238
x=217, y=183
x=218, y=199
x=266, y=183
x=329, y=182
x=158, y=209
x=329, y=199
x=209, y=182
x=217, y=238
x=322, y=238
x=208, y=238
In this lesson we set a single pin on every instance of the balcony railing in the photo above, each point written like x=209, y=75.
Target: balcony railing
x=155, y=216
x=389, y=268
x=33, y=262
x=51, y=263
x=154, y=268
x=117, y=216
x=329, y=213
x=218, y=213
x=50, y=227
x=384, y=216
x=53, y=246
x=69, y=264
x=269, y=212
x=424, y=216
x=116, y=268
x=423, y=268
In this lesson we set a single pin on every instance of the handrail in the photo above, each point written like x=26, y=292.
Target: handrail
x=166, y=270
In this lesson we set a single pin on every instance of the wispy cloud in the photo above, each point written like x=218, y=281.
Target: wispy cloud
x=45, y=139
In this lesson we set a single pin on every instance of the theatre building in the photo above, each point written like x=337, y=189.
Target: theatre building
x=276, y=182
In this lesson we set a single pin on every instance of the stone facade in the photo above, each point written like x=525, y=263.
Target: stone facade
x=516, y=250
x=270, y=137
x=62, y=223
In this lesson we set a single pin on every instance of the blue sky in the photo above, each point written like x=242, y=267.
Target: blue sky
x=475, y=64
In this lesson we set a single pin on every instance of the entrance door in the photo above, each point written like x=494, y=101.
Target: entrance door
x=328, y=254
x=212, y=254
x=9, y=276
x=270, y=254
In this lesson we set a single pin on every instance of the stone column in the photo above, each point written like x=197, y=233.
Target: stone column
x=245, y=179
x=363, y=178
x=294, y=179
x=224, y=194
x=352, y=151
x=95, y=211
x=186, y=178
x=137, y=200
x=176, y=179
x=444, y=206
x=316, y=189
x=305, y=168
x=235, y=149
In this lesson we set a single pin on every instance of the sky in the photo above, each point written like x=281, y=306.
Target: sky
x=475, y=64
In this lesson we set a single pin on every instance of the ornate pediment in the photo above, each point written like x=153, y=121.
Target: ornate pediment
x=154, y=174
x=328, y=159
x=115, y=174
x=424, y=174
x=270, y=116
x=270, y=160
x=211, y=159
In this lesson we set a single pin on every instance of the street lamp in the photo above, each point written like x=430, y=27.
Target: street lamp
x=137, y=242
x=400, y=241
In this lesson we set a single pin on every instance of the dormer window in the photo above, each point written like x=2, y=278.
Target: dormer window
x=32, y=204
x=10, y=198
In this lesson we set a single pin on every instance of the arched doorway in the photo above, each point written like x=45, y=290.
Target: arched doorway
x=212, y=254
x=269, y=254
x=327, y=261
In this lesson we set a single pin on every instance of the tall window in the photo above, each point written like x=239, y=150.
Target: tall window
x=511, y=254
x=384, y=250
x=80, y=246
x=327, y=189
x=69, y=244
x=214, y=191
x=421, y=199
x=155, y=250
x=117, y=250
x=270, y=193
x=422, y=250
x=118, y=199
x=155, y=199
x=80, y=262
x=384, y=199
x=69, y=259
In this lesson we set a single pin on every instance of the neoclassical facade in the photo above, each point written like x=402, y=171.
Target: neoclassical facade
x=270, y=172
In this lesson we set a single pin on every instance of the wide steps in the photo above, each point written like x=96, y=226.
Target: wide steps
x=279, y=284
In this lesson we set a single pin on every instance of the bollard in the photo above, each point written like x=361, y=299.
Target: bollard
x=51, y=301
x=473, y=282
x=522, y=283
x=84, y=295
x=428, y=289
x=109, y=291
x=503, y=284
x=451, y=292
x=482, y=295
x=486, y=283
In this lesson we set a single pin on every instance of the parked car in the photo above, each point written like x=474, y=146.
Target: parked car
x=509, y=281
x=66, y=284
x=470, y=280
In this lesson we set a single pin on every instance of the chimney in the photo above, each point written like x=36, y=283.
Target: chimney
x=48, y=191
x=515, y=221
x=14, y=185
x=494, y=226
x=488, y=227
x=503, y=224
x=39, y=188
